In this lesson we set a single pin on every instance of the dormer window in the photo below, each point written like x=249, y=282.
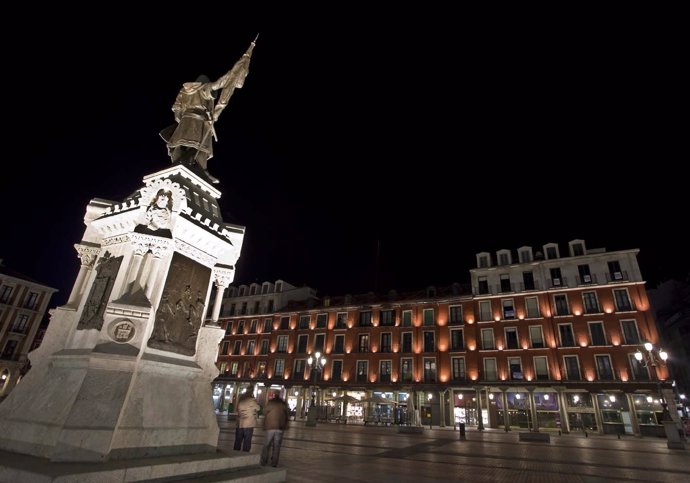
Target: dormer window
x=551, y=250
x=503, y=257
x=483, y=260
x=431, y=292
x=242, y=290
x=525, y=254
x=577, y=248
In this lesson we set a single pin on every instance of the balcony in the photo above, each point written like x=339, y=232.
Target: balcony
x=506, y=287
x=586, y=279
x=561, y=282
x=614, y=277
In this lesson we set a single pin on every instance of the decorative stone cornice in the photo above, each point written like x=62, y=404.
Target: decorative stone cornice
x=87, y=254
x=142, y=243
x=114, y=240
x=194, y=253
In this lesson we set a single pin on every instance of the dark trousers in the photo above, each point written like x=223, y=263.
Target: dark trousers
x=274, y=438
x=243, y=439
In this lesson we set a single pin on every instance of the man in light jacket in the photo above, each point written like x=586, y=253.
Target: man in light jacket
x=275, y=422
x=248, y=419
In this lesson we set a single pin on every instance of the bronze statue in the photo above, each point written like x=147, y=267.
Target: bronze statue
x=189, y=141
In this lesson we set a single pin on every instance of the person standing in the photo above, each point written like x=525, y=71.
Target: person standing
x=248, y=419
x=275, y=422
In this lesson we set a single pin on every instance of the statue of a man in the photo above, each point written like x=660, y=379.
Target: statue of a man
x=190, y=140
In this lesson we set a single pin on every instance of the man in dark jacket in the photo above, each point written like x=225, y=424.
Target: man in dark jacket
x=275, y=422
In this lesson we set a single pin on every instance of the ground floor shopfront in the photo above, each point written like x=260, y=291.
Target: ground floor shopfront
x=543, y=408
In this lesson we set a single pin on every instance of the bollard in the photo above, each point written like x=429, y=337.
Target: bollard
x=586, y=435
x=462, y=432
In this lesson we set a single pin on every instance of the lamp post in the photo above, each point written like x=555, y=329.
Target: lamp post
x=316, y=363
x=655, y=357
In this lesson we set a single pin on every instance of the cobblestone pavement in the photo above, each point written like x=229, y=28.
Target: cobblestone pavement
x=345, y=453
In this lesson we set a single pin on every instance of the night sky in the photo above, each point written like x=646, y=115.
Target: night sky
x=428, y=137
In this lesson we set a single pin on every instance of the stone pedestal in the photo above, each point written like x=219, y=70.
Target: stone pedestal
x=125, y=368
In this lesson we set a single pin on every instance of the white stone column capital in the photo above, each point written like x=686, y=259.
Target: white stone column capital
x=87, y=254
x=223, y=277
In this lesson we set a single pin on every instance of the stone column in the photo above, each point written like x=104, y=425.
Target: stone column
x=87, y=255
x=562, y=405
x=506, y=416
x=597, y=413
x=480, y=420
x=533, y=409
x=138, y=252
x=158, y=251
x=633, y=412
x=222, y=278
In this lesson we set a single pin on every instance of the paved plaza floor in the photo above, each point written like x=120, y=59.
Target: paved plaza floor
x=353, y=453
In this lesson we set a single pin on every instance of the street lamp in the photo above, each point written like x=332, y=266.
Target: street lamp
x=653, y=357
x=316, y=363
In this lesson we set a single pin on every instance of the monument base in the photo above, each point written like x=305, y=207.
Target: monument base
x=219, y=467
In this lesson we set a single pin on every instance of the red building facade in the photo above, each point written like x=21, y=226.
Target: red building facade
x=539, y=341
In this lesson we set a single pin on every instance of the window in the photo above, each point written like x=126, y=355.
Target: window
x=5, y=293
x=551, y=251
x=261, y=370
x=490, y=373
x=341, y=320
x=590, y=302
x=407, y=342
x=234, y=367
x=364, y=343
x=271, y=306
x=302, y=344
x=387, y=318
x=20, y=324
x=362, y=370
x=264, y=347
x=508, y=309
x=256, y=307
x=298, y=373
x=429, y=345
x=458, y=367
x=528, y=280
x=566, y=333
x=585, y=275
x=561, y=302
x=515, y=368
x=279, y=368
x=532, y=307
x=483, y=261
x=246, y=369
x=429, y=370
x=406, y=368
x=429, y=317
x=304, y=321
x=604, y=368
x=243, y=310
x=596, y=332
x=630, y=333
x=252, y=290
x=615, y=272
x=236, y=348
x=503, y=259
x=279, y=287
x=639, y=371
x=339, y=345
x=578, y=249
x=407, y=318
x=242, y=291
x=240, y=327
x=525, y=255
x=319, y=343
x=232, y=309
x=268, y=326
x=541, y=368
x=622, y=300
x=386, y=342
x=505, y=283
x=225, y=347
x=482, y=286
x=337, y=371
x=457, y=340
x=251, y=347
x=282, y=343
x=572, y=368
x=536, y=336
x=264, y=289
x=365, y=319
x=321, y=321
x=511, y=338
x=484, y=310
x=284, y=323
x=31, y=300
x=487, y=339
x=556, y=278
x=385, y=371
x=455, y=315
x=252, y=326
